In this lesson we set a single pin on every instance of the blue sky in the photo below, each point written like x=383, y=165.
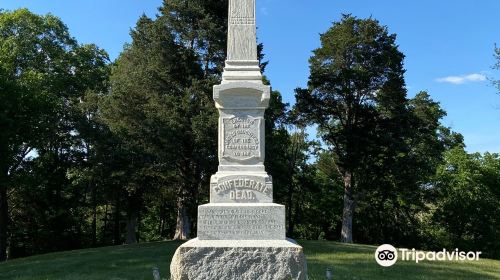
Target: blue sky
x=448, y=46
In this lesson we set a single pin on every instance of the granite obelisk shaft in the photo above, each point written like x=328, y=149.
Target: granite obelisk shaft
x=242, y=42
x=242, y=63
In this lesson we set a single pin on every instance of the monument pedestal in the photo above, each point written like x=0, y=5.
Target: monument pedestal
x=239, y=260
x=244, y=241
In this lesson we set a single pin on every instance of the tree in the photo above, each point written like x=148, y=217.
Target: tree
x=286, y=158
x=171, y=65
x=400, y=173
x=44, y=72
x=356, y=82
x=467, y=202
x=162, y=113
x=200, y=25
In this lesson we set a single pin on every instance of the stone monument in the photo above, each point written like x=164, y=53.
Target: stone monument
x=241, y=232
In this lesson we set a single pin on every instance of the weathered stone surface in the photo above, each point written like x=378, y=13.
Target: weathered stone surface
x=241, y=260
x=242, y=63
x=242, y=31
x=236, y=221
x=241, y=138
x=237, y=70
x=241, y=187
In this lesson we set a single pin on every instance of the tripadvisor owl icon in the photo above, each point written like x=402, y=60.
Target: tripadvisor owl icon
x=386, y=255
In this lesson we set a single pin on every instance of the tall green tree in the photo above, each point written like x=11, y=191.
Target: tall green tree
x=400, y=173
x=162, y=112
x=356, y=80
x=200, y=25
x=44, y=73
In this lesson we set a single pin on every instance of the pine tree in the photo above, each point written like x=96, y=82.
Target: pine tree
x=356, y=85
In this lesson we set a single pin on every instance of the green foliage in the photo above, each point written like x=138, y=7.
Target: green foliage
x=467, y=202
x=396, y=184
x=356, y=96
x=357, y=69
x=381, y=149
x=46, y=211
x=160, y=106
x=320, y=200
x=200, y=25
x=150, y=86
x=45, y=74
x=29, y=63
x=287, y=156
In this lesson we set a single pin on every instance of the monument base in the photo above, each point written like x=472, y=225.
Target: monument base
x=239, y=259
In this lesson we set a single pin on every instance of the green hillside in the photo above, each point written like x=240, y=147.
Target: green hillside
x=136, y=262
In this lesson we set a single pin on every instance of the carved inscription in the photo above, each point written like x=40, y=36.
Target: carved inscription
x=241, y=138
x=243, y=189
x=240, y=223
x=242, y=9
x=242, y=12
x=242, y=21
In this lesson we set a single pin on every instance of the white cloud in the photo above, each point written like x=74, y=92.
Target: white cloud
x=458, y=80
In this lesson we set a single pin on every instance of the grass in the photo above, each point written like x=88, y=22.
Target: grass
x=135, y=262
x=357, y=262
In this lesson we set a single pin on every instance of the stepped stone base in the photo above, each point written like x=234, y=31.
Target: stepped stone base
x=239, y=259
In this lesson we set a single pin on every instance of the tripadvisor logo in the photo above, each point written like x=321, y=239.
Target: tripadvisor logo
x=387, y=255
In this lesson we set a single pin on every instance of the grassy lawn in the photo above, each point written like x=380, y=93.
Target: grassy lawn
x=135, y=262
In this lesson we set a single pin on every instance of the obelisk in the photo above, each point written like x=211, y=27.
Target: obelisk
x=241, y=232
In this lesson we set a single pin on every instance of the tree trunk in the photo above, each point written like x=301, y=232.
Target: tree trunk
x=94, y=216
x=132, y=228
x=163, y=219
x=138, y=227
x=296, y=214
x=4, y=218
x=105, y=226
x=183, y=226
x=116, y=222
x=348, y=212
x=133, y=211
